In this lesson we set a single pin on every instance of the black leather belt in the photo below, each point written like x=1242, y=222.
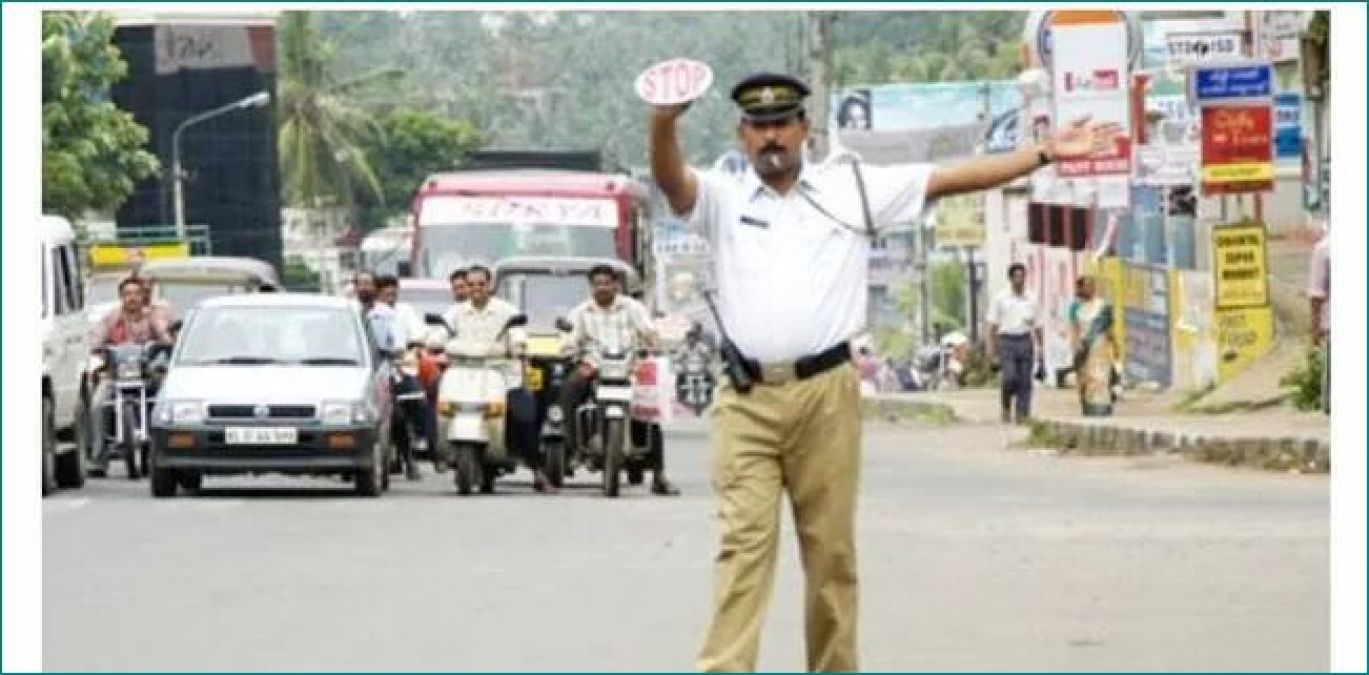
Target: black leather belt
x=802, y=369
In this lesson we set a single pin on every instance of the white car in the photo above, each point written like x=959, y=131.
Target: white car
x=63, y=330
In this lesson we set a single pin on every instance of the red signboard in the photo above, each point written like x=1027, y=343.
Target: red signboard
x=1114, y=161
x=1238, y=149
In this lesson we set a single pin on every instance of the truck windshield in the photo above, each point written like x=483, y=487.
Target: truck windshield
x=445, y=247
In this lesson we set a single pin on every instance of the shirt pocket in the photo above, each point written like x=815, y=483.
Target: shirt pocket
x=751, y=247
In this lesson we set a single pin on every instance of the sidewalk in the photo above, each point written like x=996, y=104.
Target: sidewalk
x=1276, y=438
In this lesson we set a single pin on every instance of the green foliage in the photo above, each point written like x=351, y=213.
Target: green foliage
x=1305, y=381
x=947, y=291
x=297, y=276
x=884, y=47
x=92, y=151
x=323, y=128
x=412, y=144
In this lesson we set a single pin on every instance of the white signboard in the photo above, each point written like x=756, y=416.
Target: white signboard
x=194, y=46
x=454, y=209
x=1091, y=79
x=1185, y=48
x=673, y=82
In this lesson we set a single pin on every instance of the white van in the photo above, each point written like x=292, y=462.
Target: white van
x=64, y=332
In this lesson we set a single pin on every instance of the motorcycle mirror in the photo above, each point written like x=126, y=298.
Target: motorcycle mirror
x=516, y=321
x=563, y=325
x=433, y=319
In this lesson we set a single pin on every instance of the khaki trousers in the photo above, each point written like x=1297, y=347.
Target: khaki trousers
x=804, y=437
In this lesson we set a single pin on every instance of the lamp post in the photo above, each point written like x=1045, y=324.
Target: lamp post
x=256, y=100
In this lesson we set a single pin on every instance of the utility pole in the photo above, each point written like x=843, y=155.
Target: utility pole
x=819, y=79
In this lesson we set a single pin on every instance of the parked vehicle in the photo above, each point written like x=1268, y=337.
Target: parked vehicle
x=273, y=383
x=63, y=332
x=942, y=366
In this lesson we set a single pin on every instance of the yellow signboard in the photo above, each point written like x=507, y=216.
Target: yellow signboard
x=1243, y=335
x=960, y=221
x=119, y=255
x=1240, y=274
x=1238, y=173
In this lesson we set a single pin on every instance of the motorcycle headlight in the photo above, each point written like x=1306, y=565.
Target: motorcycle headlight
x=613, y=370
x=345, y=412
x=131, y=369
x=555, y=415
x=181, y=412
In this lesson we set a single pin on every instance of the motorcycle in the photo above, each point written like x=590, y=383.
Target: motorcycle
x=613, y=438
x=695, y=388
x=134, y=371
x=942, y=366
x=407, y=428
x=472, y=410
x=546, y=372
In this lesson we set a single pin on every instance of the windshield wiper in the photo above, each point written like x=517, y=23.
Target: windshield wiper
x=243, y=360
x=330, y=361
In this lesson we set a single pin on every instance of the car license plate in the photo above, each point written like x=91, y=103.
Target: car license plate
x=534, y=379
x=260, y=436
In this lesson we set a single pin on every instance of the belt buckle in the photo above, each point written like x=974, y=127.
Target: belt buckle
x=778, y=373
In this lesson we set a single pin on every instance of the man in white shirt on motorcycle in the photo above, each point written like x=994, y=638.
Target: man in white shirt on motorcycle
x=482, y=317
x=608, y=321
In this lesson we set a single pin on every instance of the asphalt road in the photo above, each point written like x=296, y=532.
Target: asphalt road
x=973, y=557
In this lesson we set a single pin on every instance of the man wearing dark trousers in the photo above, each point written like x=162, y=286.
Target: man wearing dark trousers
x=1014, y=342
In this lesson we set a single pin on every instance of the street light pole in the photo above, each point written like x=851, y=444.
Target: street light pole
x=256, y=100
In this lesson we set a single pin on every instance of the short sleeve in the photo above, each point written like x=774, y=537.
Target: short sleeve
x=897, y=194
x=708, y=204
x=991, y=316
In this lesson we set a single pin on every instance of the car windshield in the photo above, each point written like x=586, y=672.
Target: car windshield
x=543, y=297
x=427, y=300
x=270, y=335
x=443, y=248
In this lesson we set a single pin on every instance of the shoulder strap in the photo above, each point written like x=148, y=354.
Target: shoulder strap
x=864, y=200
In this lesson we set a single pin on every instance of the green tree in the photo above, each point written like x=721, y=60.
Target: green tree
x=324, y=126
x=946, y=287
x=92, y=151
x=412, y=144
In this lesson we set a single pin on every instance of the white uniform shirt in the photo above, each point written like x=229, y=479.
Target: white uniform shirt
x=410, y=322
x=1013, y=314
x=792, y=281
x=471, y=323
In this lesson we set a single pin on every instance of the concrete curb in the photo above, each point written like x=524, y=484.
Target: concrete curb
x=895, y=411
x=1306, y=455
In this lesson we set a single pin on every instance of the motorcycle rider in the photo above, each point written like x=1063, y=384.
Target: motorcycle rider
x=482, y=317
x=460, y=290
x=132, y=322
x=694, y=347
x=409, y=336
x=613, y=322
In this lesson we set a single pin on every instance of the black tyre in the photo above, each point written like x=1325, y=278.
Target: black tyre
x=162, y=482
x=49, y=447
x=636, y=474
x=467, y=468
x=613, y=452
x=69, y=468
x=130, y=450
x=371, y=479
x=554, y=462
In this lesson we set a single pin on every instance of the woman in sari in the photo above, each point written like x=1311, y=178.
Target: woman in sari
x=1094, y=350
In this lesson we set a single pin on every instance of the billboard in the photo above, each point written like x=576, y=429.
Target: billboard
x=1237, y=149
x=1091, y=78
x=1239, y=269
x=903, y=107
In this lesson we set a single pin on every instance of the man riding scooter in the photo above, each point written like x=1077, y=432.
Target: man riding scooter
x=608, y=322
x=131, y=323
x=485, y=318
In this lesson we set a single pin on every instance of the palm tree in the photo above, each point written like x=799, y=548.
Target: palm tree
x=322, y=130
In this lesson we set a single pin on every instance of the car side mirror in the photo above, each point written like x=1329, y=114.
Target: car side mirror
x=404, y=269
x=563, y=325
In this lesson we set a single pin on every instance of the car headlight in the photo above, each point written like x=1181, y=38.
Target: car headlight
x=345, y=412
x=181, y=412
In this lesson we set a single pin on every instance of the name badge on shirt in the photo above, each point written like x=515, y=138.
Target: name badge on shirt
x=748, y=220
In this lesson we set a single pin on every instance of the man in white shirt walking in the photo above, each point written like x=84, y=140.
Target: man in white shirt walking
x=1014, y=343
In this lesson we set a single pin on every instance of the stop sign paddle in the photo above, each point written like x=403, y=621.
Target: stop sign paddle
x=674, y=82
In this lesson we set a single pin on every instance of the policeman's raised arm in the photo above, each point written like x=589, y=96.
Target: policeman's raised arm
x=668, y=167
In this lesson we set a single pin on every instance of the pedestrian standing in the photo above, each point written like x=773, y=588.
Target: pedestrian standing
x=1014, y=342
x=791, y=242
x=1319, y=294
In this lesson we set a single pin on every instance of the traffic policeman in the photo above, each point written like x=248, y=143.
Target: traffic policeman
x=791, y=241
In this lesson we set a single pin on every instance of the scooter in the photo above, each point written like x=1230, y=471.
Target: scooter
x=472, y=410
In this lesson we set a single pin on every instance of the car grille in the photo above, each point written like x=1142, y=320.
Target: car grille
x=222, y=411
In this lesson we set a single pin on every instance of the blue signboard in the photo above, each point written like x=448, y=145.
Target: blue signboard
x=1288, y=127
x=1213, y=84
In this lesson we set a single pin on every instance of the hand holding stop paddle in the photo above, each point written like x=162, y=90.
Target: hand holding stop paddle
x=671, y=86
